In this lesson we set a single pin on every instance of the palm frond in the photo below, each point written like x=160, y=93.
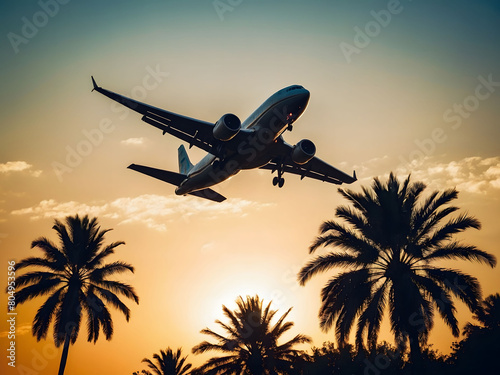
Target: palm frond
x=361, y=291
x=118, y=287
x=36, y=290
x=35, y=277
x=101, y=273
x=371, y=317
x=442, y=301
x=152, y=366
x=105, y=252
x=38, y=262
x=336, y=292
x=352, y=217
x=453, y=226
x=279, y=328
x=44, y=315
x=455, y=250
x=52, y=252
x=464, y=286
x=207, y=346
x=326, y=262
x=112, y=299
x=232, y=331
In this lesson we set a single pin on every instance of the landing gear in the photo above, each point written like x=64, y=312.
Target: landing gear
x=279, y=180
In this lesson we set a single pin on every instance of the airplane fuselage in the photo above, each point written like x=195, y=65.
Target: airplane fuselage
x=263, y=127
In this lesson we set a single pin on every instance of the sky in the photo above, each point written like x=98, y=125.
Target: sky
x=402, y=86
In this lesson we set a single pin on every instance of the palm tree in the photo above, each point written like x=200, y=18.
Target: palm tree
x=75, y=279
x=386, y=249
x=478, y=351
x=168, y=363
x=251, y=341
x=488, y=315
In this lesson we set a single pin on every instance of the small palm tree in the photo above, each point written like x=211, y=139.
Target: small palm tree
x=478, y=351
x=488, y=315
x=386, y=252
x=251, y=341
x=75, y=280
x=168, y=363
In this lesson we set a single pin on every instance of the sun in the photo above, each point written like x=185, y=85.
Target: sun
x=226, y=290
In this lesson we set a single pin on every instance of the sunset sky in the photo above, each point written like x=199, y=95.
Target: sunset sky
x=409, y=86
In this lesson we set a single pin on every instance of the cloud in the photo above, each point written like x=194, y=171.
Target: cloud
x=18, y=166
x=52, y=209
x=363, y=170
x=20, y=330
x=473, y=174
x=154, y=211
x=133, y=142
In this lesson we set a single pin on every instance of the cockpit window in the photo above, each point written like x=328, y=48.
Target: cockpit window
x=293, y=88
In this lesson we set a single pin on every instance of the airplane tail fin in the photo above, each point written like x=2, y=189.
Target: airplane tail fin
x=176, y=179
x=185, y=164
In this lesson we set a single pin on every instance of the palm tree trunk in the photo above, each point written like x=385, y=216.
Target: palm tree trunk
x=415, y=355
x=64, y=355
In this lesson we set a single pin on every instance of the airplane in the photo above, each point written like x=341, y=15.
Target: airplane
x=233, y=145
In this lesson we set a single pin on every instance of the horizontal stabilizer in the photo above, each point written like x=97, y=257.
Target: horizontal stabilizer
x=167, y=176
x=176, y=179
x=208, y=194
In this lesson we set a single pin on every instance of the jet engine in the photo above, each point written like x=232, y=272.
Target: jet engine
x=303, y=151
x=227, y=127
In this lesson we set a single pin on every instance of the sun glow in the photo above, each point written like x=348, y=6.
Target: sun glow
x=245, y=283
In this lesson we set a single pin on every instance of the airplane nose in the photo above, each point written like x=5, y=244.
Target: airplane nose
x=306, y=95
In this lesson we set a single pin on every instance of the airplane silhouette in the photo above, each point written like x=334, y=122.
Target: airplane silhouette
x=233, y=146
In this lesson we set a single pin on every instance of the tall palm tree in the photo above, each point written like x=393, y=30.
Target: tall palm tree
x=168, y=363
x=74, y=278
x=386, y=250
x=251, y=341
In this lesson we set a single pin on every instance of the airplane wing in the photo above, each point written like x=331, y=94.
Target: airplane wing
x=314, y=168
x=195, y=132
